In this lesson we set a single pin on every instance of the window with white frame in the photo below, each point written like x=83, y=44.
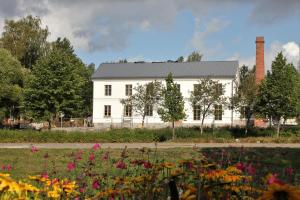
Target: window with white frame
x=107, y=111
x=149, y=110
x=107, y=89
x=197, y=112
x=218, y=112
x=128, y=90
x=128, y=110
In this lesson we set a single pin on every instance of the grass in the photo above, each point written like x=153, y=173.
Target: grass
x=24, y=162
x=290, y=135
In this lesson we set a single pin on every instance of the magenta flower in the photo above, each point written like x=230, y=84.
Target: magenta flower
x=289, y=171
x=81, y=190
x=71, y=166
x=121, y=165
x=8, y=167
x=92, y=157
x=96, y=184
x=96, y=146
x=241, y=166
x=105, y=156
x=147, y=165
x=33, y=149
x=78, y=155
x=273, y=179
x=250, y=169
x=45, y=175
x=3, y=167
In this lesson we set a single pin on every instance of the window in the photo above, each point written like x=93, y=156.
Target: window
x=197, y=112
x=128, y=110
x=196, y=86
x=107, y=90
x=219, y=89
x=218, y=112
x=128, y=90
x=107, y=111
x=149, y=111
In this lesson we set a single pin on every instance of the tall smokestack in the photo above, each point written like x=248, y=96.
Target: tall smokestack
x=260, y=60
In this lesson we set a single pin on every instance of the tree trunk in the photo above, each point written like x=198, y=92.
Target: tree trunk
x=50, y=124
x=173, y=130
x=278, y=127
x=201, y=127
x=143, y=121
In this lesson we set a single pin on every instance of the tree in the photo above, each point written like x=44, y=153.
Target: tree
x=172, y=105
x=56, y=84
x=279, y=92
x=194, y=57
x=206, y=94
x=12, y=77
x=180, y=59
x=25, y=39
x=144, y=97
x=87, y=90
x=246, y=94
x=122, y=61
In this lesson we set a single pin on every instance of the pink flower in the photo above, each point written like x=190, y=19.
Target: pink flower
x=274, y=180
x=45, y=175
x=250, y=169
x=92, y=157
x=81, y=190
x=33, y=149
x=78, y=155
x=241, y=166
x=289, y=171
x=147, y=165
x=3, y=167
x=96, y=184
x=96, y=146
x=121, y=165
x=105, y=156
x=71, y=166
x=8, y=167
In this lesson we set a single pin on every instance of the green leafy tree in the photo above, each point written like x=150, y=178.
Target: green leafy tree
x=144, y=97
x=194, y=57
x=244, y=98
x=172, y=105
x=12, y=76
x=25, y=39
x=180, y=59
x=279, y=92
x=56, y=84
x=206, y=94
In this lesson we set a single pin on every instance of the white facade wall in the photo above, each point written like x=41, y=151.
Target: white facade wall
x=117, y=109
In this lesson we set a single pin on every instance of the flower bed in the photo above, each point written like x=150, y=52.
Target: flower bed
x=101, y=176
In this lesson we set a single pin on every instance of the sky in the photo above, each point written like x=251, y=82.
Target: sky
x=160, y=30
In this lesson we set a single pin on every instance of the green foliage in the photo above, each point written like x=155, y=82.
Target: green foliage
x=25, y=39
x=11, y=84
x=143, y=97
x=206, y=94
x=57, y=84
x=246, y=93
x=194, y=57
x=279, y=92
x=180, y=59
x=172, y=106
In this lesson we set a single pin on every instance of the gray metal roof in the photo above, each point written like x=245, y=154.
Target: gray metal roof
x=161, y=70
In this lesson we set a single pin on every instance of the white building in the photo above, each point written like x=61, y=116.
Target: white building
x=113, y=82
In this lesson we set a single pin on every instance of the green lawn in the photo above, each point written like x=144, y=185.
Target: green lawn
x=264, y=160
x=149, y=135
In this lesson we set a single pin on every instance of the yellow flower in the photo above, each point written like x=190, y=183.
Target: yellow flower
x=276, y=192
x=168, y=165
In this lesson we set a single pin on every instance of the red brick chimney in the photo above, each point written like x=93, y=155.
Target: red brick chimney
x=260, y=72
x=260, y=60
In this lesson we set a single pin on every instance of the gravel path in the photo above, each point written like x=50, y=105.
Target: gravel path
x=141, y=145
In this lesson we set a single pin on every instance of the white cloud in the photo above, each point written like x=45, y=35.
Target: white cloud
x=290, y=50
x=198, y=40
x=106, y=24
